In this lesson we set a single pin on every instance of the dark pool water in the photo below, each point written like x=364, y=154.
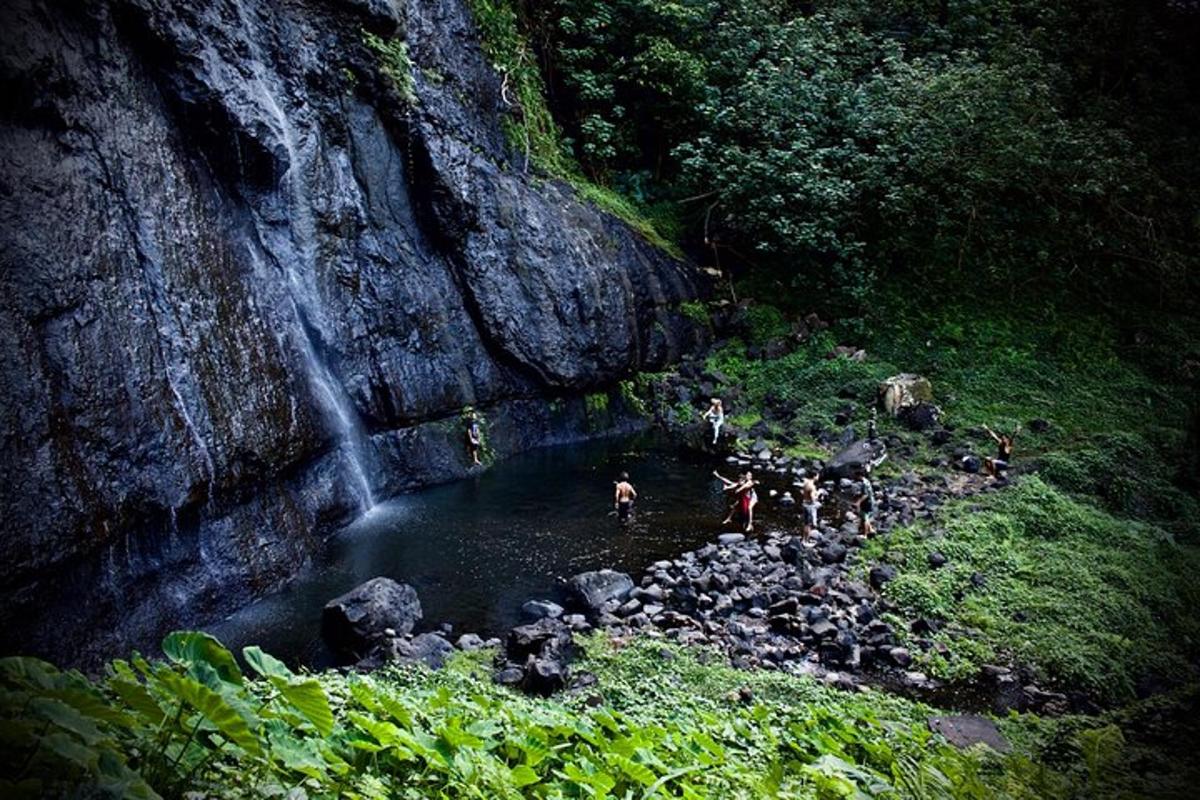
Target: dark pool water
x=475, y=550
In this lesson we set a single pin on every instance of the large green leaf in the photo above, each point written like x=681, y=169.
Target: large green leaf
x=307, y=697
x=265, y=664
x=191, y=647
x=138, y=697
x=66, y=718
x=92, y=704
x=523, y=775
x=213, y=707
x=28, y=672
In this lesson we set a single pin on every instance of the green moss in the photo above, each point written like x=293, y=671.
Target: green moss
x=394, y=63
x=696, y=311
x=632, y=399
x=766, y=322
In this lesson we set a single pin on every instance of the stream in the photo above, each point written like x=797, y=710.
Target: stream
x=475, y=550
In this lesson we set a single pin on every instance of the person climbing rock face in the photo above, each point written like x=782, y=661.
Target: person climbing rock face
x=810, y=499
x=1004, y=450
x=474, y=439
x=623, y=498
x=715, y=415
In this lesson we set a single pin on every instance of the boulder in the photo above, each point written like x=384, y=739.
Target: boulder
x=430, y=649
x=469, y=641
x=540, y=609
x=920, y=417
x=903, y=391
x=545, y=676
x=846, y=463
x=543, y=638
x=967, y=730
x=593, y=590
x=351, y=622
x=731, y=538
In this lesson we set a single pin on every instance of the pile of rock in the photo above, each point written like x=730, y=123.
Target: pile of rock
x=372, y=625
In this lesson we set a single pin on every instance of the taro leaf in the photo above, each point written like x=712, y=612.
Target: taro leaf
x=94, y=705
x=118, y=780
x=191, y=647
x=138, y=698
x=266, y=664
x=66, y=718
x=396, y=708
x=387, y=734
x=213, y=707
x=307, y=697
x=28, y=672
x=364, y=693
x=70, y=750
x=639, y=772
x=523, y=775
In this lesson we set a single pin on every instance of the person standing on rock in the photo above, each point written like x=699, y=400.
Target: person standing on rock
x=866, y=504
x=623, y=498
x=1004, y=450
x=474, y=439
x=810, y=499
x=716, y=417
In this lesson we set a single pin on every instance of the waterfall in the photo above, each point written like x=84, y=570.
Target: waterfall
x=306, y=301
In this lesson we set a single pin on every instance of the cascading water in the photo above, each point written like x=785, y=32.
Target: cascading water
x=301, y=278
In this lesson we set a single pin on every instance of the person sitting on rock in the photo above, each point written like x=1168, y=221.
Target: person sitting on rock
x=716, y=416
x=474, y=439
x=1004, y=450
x=866, y=504
x=623, y=498
x=810, y=499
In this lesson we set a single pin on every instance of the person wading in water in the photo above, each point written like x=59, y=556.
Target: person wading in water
x=623, y=498
x=1004, y=450
x=474, y=439
x=744, y=498
x=716, y=417
x=810, y=499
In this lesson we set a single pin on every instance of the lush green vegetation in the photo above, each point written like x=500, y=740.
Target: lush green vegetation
x=394, y=63
x=660, y=723
x=533, y=132
x=842, y=140
x=1093, y=602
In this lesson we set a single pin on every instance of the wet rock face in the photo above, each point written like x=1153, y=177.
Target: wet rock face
x=243, y=282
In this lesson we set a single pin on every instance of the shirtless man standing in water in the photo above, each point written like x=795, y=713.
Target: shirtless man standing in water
x=624, y=497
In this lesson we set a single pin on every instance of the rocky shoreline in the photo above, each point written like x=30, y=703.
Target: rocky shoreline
x=774, y=600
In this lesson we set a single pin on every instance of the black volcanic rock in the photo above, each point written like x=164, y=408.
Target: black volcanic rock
x=244, y=283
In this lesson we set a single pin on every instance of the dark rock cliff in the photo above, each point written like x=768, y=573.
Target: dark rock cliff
x=247, y=287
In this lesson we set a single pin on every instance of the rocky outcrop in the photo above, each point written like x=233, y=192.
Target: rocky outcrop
x=249, y=278
x=367, y=612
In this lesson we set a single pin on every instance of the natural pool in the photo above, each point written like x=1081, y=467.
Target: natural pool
x=476, y=549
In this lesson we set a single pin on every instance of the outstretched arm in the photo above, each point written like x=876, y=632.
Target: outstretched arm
x=992, y=433
x=723, y=479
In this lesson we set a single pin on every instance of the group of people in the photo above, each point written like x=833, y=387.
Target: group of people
x=741, y=491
